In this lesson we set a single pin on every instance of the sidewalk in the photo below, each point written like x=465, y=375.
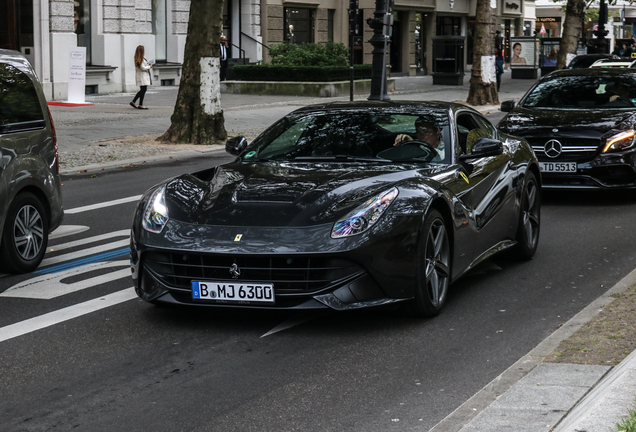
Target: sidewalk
x=530, y=396
x=81, y=129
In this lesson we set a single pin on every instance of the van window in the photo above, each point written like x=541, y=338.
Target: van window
x=19, y=102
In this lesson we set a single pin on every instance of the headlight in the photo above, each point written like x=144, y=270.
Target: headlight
x=156, y=212
x=619, y=142
x=364, y=216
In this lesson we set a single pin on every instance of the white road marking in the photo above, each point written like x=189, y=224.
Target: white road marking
x=37, y=323
x=85, y=252
x=67, y=230
x=49, y=286
x=62, y=246
x=103, y=204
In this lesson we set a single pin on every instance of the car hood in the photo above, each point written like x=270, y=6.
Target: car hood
x=271, y=194
x=572, y=123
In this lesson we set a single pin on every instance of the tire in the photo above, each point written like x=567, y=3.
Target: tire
x=25, y=235
x=434, y=268
x=529, y=219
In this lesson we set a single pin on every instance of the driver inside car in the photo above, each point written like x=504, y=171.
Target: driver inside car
x=426, y=130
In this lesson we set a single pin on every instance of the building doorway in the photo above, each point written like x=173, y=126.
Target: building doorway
x=82, y=22
x=16, y=26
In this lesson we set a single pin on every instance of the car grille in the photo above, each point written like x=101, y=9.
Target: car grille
x=573, y=149
x=289, y=274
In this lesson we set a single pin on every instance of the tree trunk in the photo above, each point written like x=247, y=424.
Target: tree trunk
x=574, y=14
x=483, y=79
x=197, y=116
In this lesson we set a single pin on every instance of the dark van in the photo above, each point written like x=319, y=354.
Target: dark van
x=30, y=194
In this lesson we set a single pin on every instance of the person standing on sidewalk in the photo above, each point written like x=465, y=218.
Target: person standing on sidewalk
x=142, y=77
x=223, y=57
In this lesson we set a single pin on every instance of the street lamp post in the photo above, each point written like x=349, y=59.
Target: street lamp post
x=378, y=69
x=601, y=42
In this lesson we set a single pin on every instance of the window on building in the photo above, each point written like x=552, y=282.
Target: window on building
x=449, y=26
x=82, y=20
x=331, y=13
x=159, y=29
x=299, y=25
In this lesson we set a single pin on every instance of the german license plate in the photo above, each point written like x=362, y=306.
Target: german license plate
x=566, y=167
x=233, y=292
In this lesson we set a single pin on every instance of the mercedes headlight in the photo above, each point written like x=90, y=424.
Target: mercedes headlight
x=156, y=212
x=363, y=217
x=619, y=142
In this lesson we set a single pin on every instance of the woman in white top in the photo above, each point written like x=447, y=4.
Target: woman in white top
x=142, y=77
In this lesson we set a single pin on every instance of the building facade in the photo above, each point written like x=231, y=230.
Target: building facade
x=46, y=30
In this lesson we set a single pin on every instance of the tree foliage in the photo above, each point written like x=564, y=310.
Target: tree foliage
x=309, y=54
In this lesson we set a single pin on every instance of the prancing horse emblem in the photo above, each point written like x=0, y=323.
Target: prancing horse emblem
x=234, y=271
x=553, y=148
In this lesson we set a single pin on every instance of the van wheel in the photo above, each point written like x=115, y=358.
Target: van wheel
x=25, y=235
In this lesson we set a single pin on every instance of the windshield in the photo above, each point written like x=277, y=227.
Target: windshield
x=584, y=92
x=356, y=135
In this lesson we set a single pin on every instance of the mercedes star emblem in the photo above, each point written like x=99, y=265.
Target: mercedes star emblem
x=553, y=148
x=234, y=271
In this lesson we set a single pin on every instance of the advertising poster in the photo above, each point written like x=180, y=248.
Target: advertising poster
x=524, y=53
x=77, y=75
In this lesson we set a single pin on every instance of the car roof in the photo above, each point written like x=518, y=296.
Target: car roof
x=589, y=71
x=17, y=60
x=612, y=62
x=409, y=107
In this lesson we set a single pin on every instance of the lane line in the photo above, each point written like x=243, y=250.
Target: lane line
x=78, y=263
x=49, y=286
x=102, y=204
x=40, y=322
x=85, y=252
x=69, y=245
x=67, y=230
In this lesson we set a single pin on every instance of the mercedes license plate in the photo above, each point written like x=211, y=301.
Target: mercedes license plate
x=233, y=292
x=552, y=167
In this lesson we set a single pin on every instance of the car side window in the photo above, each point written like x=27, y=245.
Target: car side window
x=19, y=102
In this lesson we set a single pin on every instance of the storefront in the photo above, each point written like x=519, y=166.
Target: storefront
x=548, y=27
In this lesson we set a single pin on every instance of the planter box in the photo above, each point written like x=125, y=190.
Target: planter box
x=289, y=88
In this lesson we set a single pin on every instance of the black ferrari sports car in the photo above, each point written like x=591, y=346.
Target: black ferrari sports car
x=341, y=206
x=581, y=124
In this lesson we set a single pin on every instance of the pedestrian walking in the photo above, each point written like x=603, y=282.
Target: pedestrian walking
x=223, y=57
x=499, y=66
x=142, y=77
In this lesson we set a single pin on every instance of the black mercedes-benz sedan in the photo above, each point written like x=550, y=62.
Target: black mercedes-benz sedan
x=581, y=125
x=341, y=206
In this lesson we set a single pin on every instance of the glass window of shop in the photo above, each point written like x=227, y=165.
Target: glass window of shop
x=82, y=23
x=299, y=25
x=549, y=27
x=159, y=29
x=507, y=29
x=448, y=26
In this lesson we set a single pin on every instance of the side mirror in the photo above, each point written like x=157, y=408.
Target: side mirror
x=507, y=106
x=484, y=147
x=236, y=145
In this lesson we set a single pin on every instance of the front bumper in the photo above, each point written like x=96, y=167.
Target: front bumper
x=605, y=171
x=307, y=272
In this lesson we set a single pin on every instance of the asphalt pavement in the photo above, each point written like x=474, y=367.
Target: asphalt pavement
x=530, y=396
